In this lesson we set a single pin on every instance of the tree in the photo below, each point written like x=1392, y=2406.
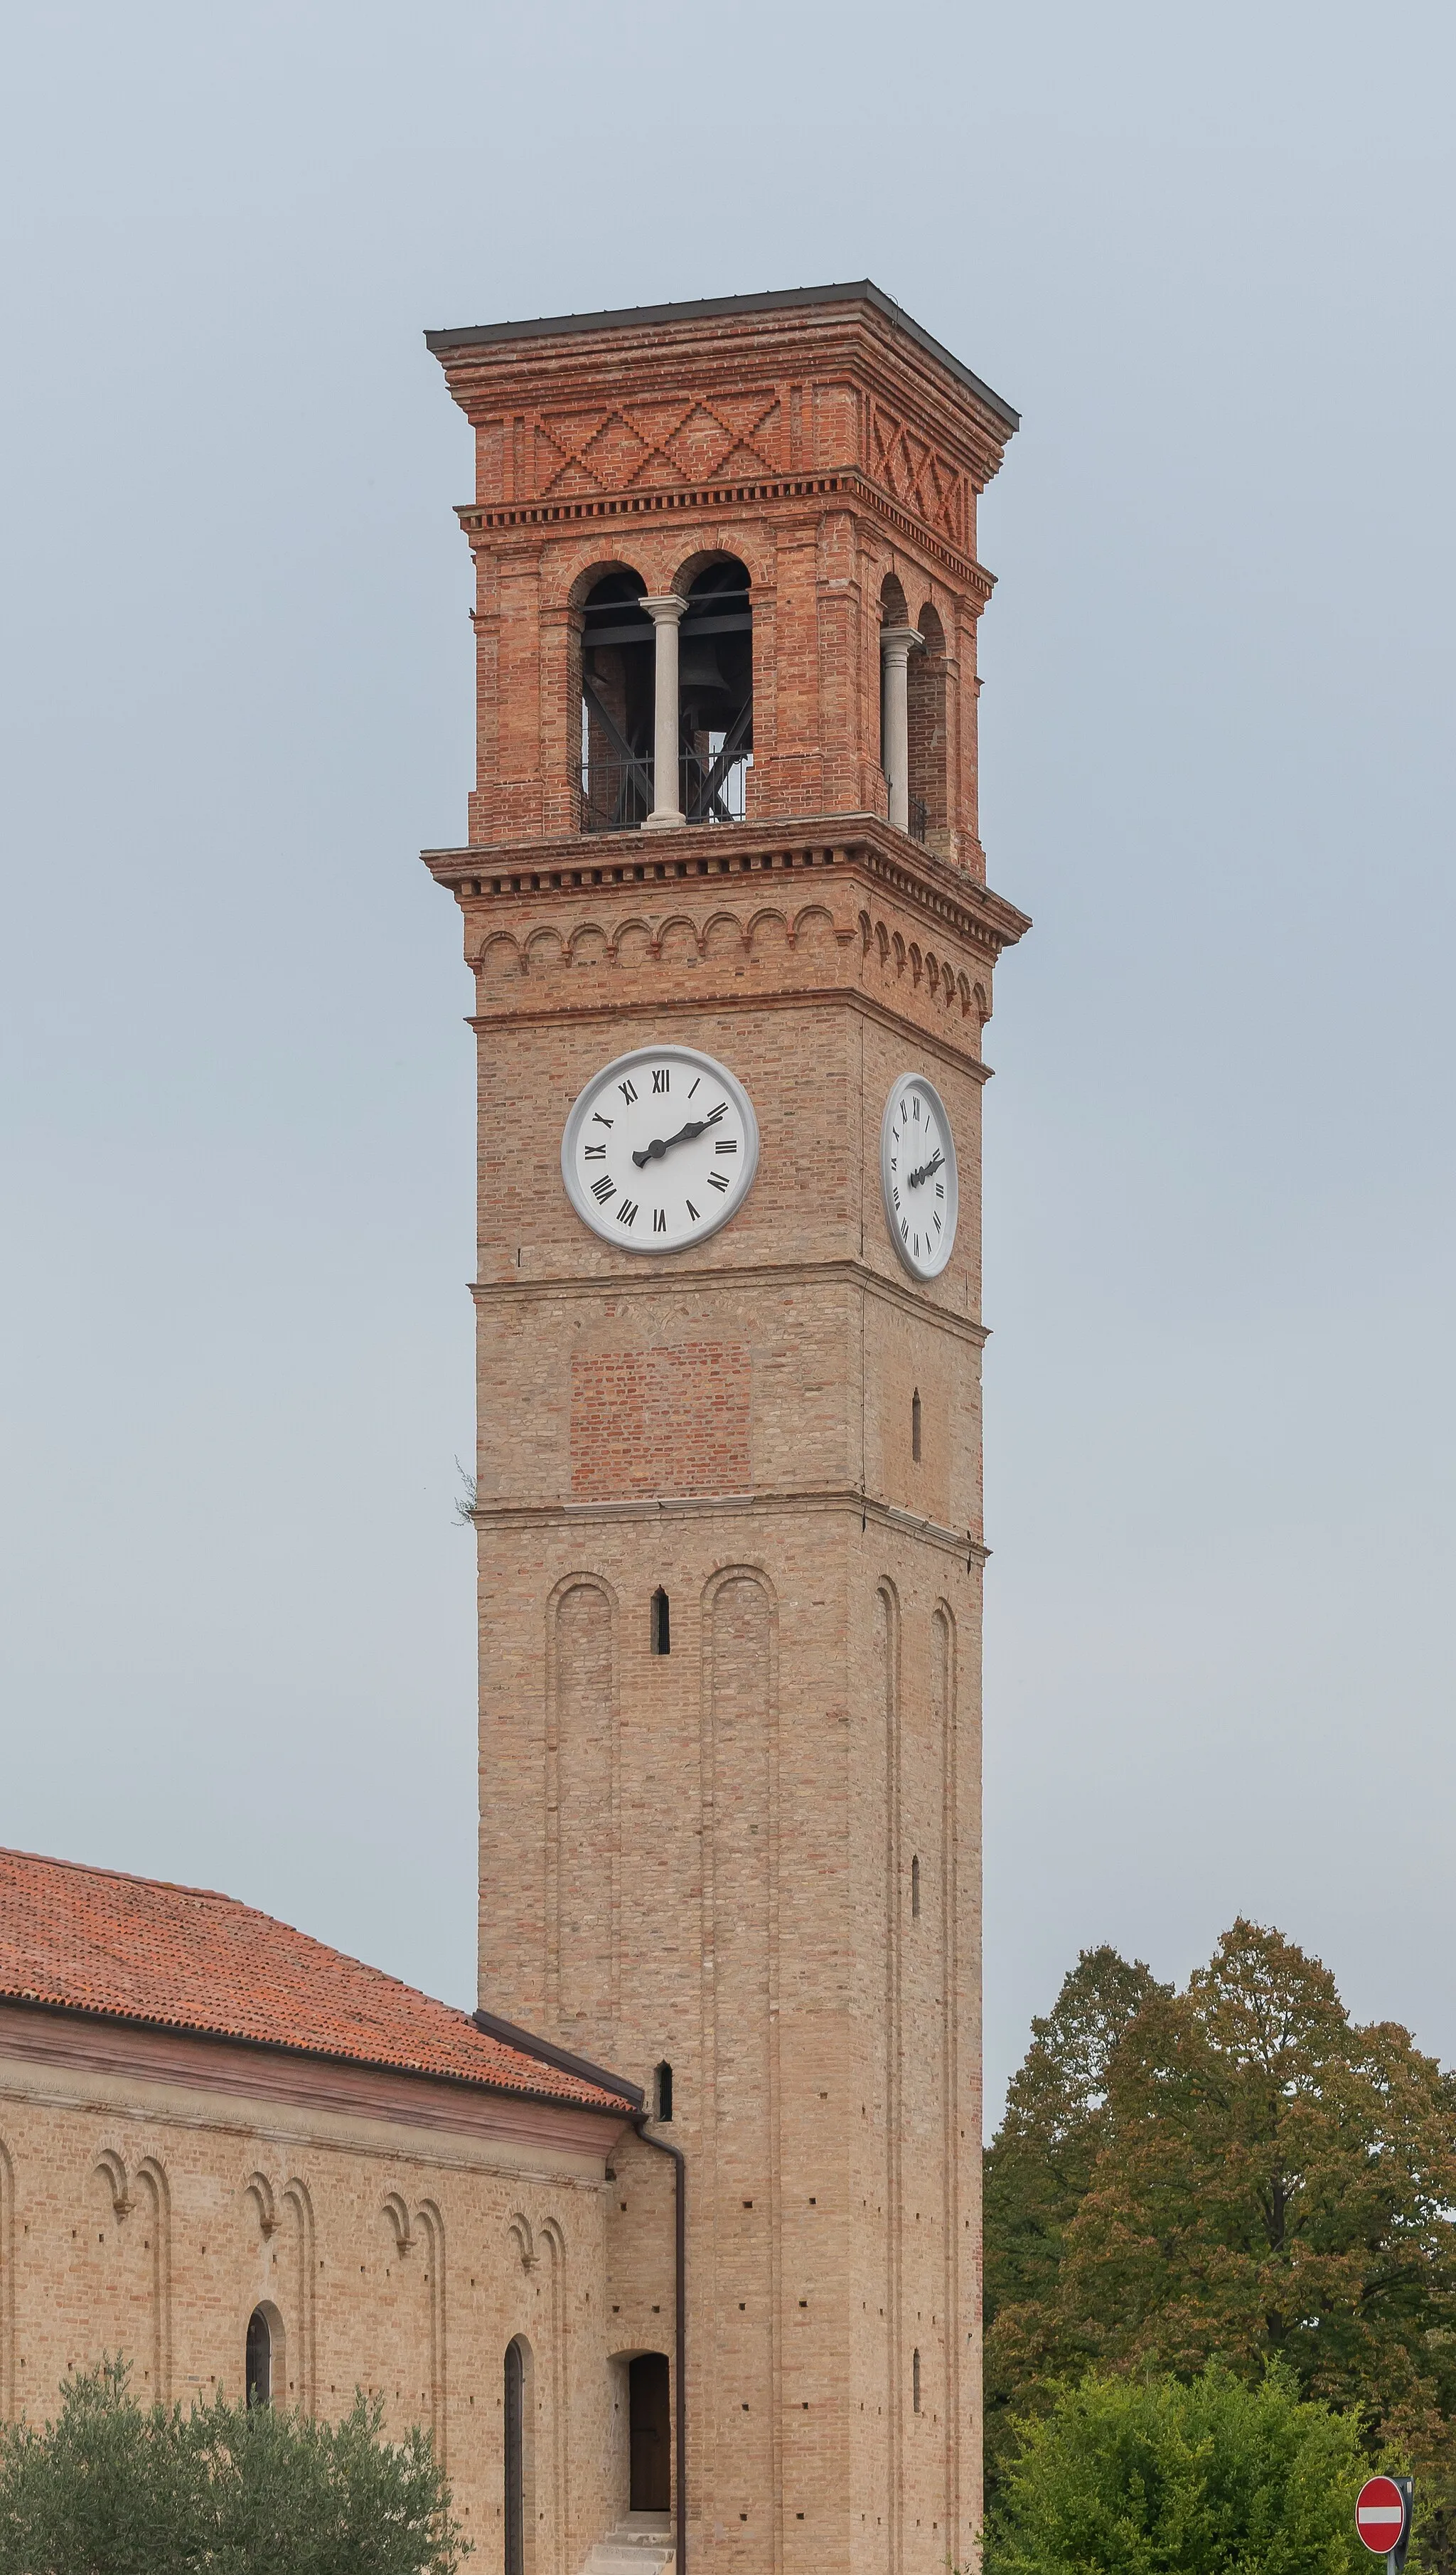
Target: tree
x=1270, y=2182
x=1158, y=2476
x=110, y=2489
x=1039, y=2168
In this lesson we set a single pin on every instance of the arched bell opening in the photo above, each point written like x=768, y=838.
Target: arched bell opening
x=617, y=704
x=716, y=693
x=926, y=725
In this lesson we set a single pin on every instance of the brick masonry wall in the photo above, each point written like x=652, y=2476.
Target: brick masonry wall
x=149, y=2213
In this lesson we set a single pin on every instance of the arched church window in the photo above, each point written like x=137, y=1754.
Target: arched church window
x=664, y=2091
x=662, y=1624
x=515, y=2461
x=258, y=2372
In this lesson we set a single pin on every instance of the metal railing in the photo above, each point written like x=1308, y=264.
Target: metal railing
x=617, y=792
x=918, y=818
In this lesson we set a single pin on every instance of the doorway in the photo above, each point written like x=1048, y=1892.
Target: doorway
x=651, y=2433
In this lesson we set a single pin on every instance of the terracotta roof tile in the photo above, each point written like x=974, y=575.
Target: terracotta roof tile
x=178, y=1957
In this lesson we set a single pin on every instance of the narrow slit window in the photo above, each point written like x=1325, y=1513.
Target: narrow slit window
x=662, y=1628
x=916, y=1425
x=915, y=2382
x=916, y=1889
x=664, y=2091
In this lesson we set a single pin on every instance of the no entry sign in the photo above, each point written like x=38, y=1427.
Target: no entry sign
x=1380, y=2510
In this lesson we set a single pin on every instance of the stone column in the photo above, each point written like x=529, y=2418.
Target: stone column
x=896, y=644
x=666, y=612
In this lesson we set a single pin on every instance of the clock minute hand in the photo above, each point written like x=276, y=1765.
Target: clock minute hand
x=654, y=1152
x=925, y=1170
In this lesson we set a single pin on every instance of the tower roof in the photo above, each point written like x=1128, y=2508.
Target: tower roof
x=638, y=317
x=181, y=1958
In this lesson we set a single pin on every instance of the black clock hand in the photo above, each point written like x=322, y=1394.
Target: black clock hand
x=925, y=1170
x=654, y=1152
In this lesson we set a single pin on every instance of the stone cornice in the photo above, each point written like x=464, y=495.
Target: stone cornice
x=858, y=845
x=771, y=1274
x=814, y=1499
x=691, y=1006
x=492, y=523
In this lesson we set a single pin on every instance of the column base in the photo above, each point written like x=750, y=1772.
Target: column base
x=665, y=823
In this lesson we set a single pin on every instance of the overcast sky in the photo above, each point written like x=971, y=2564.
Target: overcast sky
x=1209, y=254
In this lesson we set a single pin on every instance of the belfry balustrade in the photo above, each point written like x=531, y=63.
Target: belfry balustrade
x=666, y=702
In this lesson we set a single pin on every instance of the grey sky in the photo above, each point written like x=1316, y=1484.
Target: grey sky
x=1209, y=254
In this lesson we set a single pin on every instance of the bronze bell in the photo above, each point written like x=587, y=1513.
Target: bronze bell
x=699, y=674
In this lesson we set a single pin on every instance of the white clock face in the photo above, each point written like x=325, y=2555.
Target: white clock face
x=918, y=1175
x=660, y=1149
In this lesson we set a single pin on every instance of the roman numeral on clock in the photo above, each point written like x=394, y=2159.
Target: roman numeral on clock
x=603, y=1188
x=594, y=1153
x=717, y=1180
x=627, y=1213
x=627, y=1091
x=659, y=1220
x=726, y=1145
x=663, y=1080
x=598, y=1119
x=692, y=1210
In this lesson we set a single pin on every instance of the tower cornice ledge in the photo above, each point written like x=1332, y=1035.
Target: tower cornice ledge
x=856, y=845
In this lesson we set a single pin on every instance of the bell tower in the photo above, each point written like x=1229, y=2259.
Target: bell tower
x=726, y=906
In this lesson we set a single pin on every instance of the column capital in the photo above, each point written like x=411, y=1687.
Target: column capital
x=665, y=608
x=897, y=643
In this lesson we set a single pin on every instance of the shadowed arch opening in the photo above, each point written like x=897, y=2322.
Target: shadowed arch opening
x=263, y=2356
x=517, y=2459
x=649, y=2433
x=617, y=702
x=926, y=692
x=716, y=692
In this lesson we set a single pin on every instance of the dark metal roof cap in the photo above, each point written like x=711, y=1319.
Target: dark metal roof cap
x=784, y=300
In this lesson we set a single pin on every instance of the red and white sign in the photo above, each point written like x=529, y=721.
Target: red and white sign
x=1380, y=2515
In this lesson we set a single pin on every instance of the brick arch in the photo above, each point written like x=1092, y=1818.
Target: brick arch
x=581, y=1793
x=561, y=587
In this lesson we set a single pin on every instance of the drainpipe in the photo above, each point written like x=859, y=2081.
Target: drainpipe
x=679, y=2409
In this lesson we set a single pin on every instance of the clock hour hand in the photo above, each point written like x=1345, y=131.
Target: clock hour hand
x=925, y=1170
x=654, y=1152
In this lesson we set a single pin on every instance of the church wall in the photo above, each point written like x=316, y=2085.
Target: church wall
x=149, y=2211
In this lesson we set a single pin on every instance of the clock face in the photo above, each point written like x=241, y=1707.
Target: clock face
x=918, y=1175
x=660, y=1149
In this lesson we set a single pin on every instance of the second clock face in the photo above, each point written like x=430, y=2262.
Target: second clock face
x=660, y=1149
x=919, y=1173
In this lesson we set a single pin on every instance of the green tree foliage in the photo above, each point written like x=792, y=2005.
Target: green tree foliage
x=1158, y=2476
x=1039, y=2168
x=1260, y=2181
x=112, y=2489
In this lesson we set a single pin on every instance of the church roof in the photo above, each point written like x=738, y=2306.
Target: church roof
x=178, y=1957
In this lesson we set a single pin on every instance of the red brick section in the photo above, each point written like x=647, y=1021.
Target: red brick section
x=178, y=1957
x=660, y=1421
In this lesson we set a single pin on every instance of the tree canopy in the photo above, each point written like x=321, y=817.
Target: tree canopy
x=109, y=2488
x=1237, y=2173
x=1157, y=2476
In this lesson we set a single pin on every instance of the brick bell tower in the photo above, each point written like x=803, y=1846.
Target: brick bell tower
x=726, y=906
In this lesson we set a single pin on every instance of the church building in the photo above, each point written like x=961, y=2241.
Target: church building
x=675, y=2243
